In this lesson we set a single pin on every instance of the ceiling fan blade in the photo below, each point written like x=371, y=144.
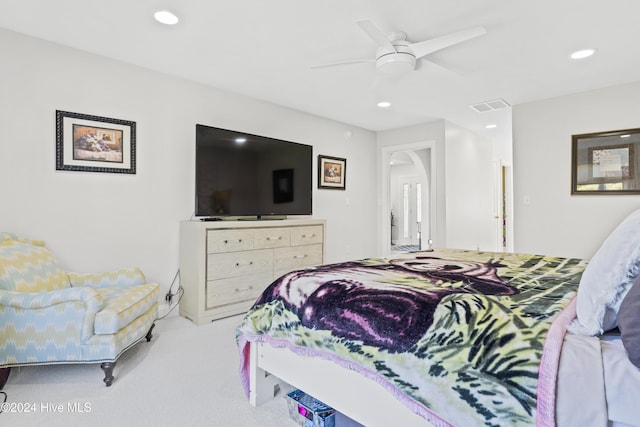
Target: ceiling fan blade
x=432, y=64
x=426, y=47
x=376, y=34
x=332, y=64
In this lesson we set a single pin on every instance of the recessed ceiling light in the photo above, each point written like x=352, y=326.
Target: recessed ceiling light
x=625, y=136
x=240, y=140
x=166, y=17
x=384, y=104
x=491, y=126
x=584, y=53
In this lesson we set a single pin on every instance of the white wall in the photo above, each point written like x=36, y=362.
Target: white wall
x=470, y=183
x=97, y=221
x=555, y=222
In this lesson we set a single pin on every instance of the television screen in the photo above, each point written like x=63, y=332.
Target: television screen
x=239, y=174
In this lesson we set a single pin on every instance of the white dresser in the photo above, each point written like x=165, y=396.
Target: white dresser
x=225, y=265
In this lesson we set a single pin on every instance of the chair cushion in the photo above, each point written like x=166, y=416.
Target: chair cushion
x=29, y=267
x=124, y=304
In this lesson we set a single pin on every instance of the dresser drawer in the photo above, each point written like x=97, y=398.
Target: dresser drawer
x=219, y=241
x=235, y=264
x=264, y=238
x=237, y=289
x=292, y=258
x=306, y=235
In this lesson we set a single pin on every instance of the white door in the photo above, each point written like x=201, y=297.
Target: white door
x=409, y=216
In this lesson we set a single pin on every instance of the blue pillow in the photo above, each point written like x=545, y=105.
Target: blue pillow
x=607, y=279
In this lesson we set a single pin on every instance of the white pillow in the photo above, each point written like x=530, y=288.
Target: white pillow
x=608, y=278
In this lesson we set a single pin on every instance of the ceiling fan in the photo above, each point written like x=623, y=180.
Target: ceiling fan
x=395, y=55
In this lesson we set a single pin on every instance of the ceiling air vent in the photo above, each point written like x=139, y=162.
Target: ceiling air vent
x=494, y=104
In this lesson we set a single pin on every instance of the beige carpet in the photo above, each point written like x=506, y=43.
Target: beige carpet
x=186, y=376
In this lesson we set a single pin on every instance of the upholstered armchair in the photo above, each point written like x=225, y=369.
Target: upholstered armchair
x=49, y=316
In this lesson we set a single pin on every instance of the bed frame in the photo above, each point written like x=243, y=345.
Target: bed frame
x=348, y=392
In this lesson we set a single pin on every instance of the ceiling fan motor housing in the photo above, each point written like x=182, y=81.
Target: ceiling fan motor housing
x=401, y=61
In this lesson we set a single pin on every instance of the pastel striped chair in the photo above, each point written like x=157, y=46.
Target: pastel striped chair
x=49, y=316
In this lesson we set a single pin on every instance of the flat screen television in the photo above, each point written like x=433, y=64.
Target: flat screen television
x=244, y=175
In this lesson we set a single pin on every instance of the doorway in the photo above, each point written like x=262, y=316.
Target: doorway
x=408, y=187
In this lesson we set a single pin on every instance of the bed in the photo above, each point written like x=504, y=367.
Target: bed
x=456, y=338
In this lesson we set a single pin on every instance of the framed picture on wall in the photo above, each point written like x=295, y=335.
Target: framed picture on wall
x=332, y=172
x=88, y=143
x=605, y=162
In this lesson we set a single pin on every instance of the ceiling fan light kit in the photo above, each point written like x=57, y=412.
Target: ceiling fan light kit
x=396, y=63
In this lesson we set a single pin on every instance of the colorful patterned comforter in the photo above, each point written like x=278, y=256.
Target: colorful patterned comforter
x=463, y=338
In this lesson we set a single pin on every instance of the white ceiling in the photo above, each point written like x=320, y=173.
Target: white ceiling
x=264, y=49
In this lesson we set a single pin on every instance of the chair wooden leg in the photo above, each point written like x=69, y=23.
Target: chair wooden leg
x=149, y=334
x=107, y=367
x=4, y=376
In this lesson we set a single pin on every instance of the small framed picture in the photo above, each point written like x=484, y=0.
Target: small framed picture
x=332, y=172
x=88, y=143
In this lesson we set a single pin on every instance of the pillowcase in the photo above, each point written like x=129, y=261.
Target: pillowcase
x=629, y=323
x=607, y=278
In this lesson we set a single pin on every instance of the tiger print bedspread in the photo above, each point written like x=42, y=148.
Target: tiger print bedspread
x=457, y=336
